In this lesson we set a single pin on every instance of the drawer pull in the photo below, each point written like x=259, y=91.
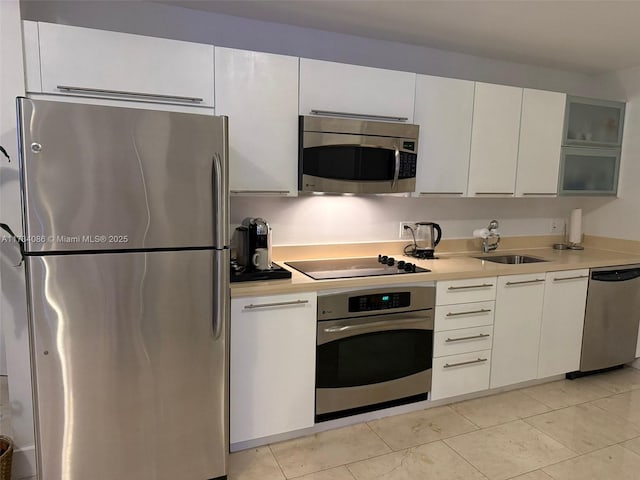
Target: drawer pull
x=470, y=312
x=471, y=362
x=559, y=279
x=522, y=282
x=466, y=287
x=276, y=304
x=121, y=93
x=473, y=337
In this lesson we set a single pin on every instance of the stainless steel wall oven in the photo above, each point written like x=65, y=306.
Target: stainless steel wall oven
x=374, y=349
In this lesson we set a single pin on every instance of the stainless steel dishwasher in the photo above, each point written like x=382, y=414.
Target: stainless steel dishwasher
x=612, y=317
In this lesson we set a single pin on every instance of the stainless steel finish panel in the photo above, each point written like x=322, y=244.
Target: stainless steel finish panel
x=330, y=331
x=110, y=178
x=311, y=183
x=130, y=379
x=359, y=127
x=611, y=321
x=330, y=400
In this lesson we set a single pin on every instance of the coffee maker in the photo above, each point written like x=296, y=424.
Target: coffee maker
x=254, y=233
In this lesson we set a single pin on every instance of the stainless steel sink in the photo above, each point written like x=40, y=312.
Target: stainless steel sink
x=511, y=259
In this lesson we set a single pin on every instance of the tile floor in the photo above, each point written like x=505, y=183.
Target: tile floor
x=585, y=429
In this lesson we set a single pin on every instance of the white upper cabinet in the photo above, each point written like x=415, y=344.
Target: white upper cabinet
x=444, y=111
x=259, y=93
x=98, y=63
x=355, y=90
x=494, y=140
x=540, y=142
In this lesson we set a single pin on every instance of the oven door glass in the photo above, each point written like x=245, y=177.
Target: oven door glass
x=370, y=355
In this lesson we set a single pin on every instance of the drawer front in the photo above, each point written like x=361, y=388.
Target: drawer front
x=460, y=374
x=464, y=315
x=466, y=291
x=454, y=342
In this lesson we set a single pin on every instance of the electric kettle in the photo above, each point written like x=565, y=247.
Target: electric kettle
x=428, y=235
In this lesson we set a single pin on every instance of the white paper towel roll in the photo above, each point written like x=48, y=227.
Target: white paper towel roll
x=575, y=226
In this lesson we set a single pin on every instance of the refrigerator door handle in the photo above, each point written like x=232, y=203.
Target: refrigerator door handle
x=221, y=274
x=219, y=240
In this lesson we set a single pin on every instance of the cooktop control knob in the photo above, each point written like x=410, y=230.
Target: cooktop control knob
x=383, y=259
x=391, y=261
x=409, y=267
x=401, y=264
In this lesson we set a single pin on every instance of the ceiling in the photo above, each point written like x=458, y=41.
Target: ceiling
x=583, y=36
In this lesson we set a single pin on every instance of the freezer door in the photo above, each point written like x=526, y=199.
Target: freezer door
x=111, y=178
x=129, y=370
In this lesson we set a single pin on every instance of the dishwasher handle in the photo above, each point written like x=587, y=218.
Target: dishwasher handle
x=617, y=275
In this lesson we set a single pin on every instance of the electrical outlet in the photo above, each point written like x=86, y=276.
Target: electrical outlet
x=557, y=226
x=405, y=234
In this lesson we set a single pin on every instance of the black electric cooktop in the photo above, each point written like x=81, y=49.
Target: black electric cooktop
x=355, y=267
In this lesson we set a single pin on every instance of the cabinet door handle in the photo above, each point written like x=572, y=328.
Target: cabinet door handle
x=522, y=282
x=465, y=287
x=471, y=362
x=559, y=279
x=440, y=193
x=122, y=93
x=470, y=312
x=275, y=304
x=358, y=115
x=494, y=193
x=261, y=192
x=473, y=337
x=540, y=194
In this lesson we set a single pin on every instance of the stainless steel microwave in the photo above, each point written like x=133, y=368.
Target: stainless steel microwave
x=343, y=155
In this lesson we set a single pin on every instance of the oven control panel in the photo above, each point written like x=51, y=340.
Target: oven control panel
x=379, y=301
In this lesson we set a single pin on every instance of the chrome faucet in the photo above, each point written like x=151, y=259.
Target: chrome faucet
x=493, y=233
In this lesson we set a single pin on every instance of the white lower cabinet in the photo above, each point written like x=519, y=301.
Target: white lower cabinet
x=565, y=297
x=459, y=374
x=272, y=365
x=516, y=331
x=463, y=337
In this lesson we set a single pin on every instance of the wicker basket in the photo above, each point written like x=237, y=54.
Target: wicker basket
x=6, y=457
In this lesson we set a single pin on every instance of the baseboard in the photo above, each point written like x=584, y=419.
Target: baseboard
x=24, y=464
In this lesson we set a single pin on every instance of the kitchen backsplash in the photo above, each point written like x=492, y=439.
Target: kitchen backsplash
x=344, y=219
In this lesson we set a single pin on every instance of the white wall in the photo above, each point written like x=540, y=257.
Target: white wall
x=345, y=219
x=621, y=217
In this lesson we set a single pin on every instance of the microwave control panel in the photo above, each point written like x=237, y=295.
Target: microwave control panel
x=407, y=165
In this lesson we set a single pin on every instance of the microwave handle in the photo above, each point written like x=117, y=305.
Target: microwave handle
x=396, y=172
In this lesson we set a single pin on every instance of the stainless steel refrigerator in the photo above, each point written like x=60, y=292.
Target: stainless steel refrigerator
x=125, y=215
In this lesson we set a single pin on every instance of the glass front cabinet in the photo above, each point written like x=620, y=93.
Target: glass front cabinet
x=592, y=139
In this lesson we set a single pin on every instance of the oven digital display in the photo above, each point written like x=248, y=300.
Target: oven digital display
x=377, y=301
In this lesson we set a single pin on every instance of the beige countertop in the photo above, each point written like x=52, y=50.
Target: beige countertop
x=449, y=266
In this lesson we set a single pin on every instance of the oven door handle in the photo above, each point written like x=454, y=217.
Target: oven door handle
x=367, y=326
